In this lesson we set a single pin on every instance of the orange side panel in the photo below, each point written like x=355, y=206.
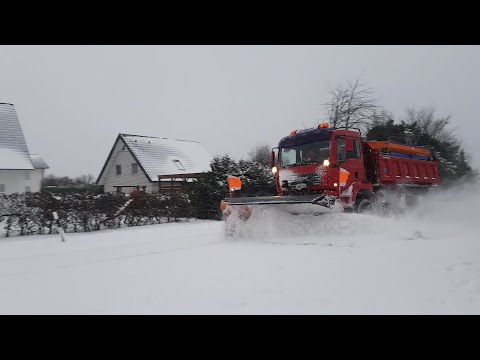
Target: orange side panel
x=403, y=149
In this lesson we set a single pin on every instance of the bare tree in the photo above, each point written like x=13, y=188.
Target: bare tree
x=352, y=105
x=261, y=154
x=425, y=128
x=381, y=116
x=85, y=179
x=425, y=120
x=52, y=180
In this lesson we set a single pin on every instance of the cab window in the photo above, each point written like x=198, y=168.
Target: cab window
x=341, y=152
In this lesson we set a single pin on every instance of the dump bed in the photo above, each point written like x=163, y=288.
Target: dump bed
x=389, y=163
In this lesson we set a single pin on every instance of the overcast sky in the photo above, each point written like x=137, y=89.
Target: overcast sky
x=73, y=101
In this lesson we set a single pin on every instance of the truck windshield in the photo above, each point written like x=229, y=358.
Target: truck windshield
x=305, y=154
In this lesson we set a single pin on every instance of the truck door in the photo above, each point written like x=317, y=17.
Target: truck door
x=353, y=152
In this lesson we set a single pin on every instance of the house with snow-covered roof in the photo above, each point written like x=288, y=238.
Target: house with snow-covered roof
x=20, y=171
x=153, y=163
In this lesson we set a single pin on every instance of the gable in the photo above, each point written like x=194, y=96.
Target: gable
x=121, y=155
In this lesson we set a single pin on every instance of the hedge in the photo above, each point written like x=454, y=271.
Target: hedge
x=32, y=213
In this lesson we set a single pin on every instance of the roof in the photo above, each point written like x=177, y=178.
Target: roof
x=306, y=135
x=38, y=162
x=13, y=160
x=163, y=156
x=13, y=147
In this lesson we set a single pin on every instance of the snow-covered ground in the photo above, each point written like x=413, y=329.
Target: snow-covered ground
x=426, y=262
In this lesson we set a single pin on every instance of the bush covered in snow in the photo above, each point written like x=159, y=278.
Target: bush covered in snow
x=206, y=193
x=32, y=213
x=83, y=208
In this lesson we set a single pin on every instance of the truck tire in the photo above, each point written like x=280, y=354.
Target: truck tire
x=365, y=206
x=411, y=200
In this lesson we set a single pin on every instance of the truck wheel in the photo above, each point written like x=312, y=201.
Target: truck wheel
x=365, y=206
x=411, y=200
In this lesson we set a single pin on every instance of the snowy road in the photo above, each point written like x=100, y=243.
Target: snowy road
x=338, y=264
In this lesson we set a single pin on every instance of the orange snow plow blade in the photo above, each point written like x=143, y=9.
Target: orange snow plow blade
x=311, y=204
x=237, y=211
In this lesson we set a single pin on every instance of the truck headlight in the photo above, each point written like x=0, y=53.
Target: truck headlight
x=326, y=162
x=274, y=169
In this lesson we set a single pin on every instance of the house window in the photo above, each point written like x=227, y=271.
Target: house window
x=119, y=169
x=27, y=189
x=2, y=188
x=124, y=148
x=27, y=175
x=178, y=164
x=134, y=168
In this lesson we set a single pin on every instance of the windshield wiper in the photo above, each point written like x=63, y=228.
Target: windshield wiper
x=302, y=163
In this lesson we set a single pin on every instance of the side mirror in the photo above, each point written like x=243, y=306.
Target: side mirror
x=349, y=152
x=274, y=157
x=349, y=145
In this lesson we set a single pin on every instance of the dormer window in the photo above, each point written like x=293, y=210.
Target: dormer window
x=179, y=164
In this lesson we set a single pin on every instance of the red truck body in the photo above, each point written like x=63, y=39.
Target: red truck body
x=385, y=169
x=367, y=166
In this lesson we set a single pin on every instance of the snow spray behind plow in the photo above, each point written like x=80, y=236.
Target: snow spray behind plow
x=271, y=224
x=432, y=217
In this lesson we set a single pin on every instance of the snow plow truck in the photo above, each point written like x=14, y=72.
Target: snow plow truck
x=324, y=168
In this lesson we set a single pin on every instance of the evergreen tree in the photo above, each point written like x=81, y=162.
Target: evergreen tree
x=422, y=128
x=388, y=131
x=257, y=179
x=207, y=192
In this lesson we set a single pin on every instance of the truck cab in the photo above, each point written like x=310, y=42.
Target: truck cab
x=319, y=160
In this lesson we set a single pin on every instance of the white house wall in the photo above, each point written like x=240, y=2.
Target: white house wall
x=36, y=177
x=123, y=157
x=15, y=181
